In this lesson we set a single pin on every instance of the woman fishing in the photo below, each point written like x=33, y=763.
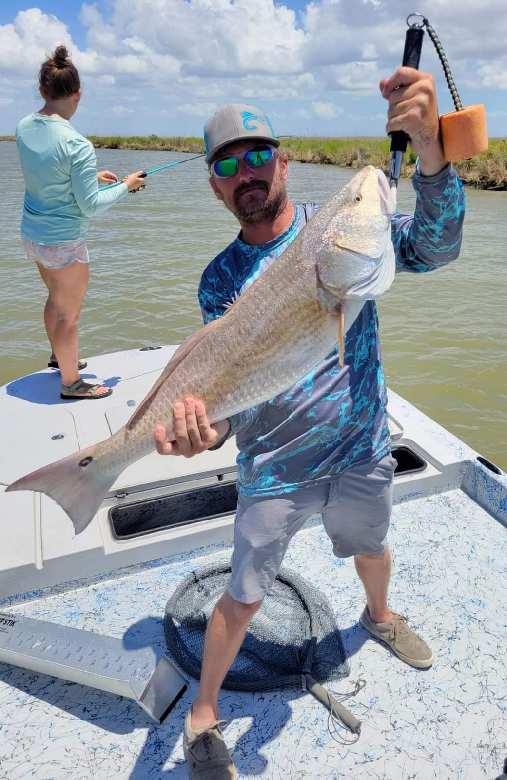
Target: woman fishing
x=62, y=193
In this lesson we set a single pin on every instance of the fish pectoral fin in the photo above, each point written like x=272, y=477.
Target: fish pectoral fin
x=341, y=334
x=331, y=301
x=183, y=350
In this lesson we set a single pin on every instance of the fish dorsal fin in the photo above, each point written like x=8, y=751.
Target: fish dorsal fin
x=181, y=353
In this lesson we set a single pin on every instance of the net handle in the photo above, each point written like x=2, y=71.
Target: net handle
x=330, y=703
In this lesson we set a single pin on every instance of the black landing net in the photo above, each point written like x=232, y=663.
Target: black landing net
x=292, y=641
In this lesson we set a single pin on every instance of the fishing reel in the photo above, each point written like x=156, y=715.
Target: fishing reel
x=463, y=131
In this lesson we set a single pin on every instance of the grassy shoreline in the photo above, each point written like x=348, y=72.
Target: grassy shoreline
x=486, y=172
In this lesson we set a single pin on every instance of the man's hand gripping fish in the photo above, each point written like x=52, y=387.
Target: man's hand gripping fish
x=282, y=326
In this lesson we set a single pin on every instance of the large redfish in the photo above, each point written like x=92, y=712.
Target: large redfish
x=283, y=325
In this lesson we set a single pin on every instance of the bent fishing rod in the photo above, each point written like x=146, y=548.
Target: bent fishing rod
x=165, y=166
x=156, y=169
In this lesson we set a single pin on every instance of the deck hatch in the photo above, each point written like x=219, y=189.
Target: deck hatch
x=194, y=505
x=408, y=461
x=199, y=504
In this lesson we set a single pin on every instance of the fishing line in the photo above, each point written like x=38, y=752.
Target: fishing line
x=155, y=169
x=165, y=166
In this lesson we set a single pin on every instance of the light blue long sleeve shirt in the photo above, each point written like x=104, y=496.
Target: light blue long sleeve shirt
x=60, y=171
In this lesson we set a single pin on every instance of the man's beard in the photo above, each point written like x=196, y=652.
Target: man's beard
x=259, y=208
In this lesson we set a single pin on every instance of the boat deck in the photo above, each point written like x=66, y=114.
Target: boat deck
x=449, y=542
x=448, y=722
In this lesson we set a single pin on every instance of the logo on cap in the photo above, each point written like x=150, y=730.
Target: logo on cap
x=251, y=121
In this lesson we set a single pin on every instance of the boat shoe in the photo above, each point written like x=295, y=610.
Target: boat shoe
x=206, y=753
x=400, y=638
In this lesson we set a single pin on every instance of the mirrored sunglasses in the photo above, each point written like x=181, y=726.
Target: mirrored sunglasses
x=254, y=158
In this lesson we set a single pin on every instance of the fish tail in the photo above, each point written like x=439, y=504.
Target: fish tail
x=78, y=483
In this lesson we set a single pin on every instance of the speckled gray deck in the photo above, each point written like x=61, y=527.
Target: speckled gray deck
x=448, y=722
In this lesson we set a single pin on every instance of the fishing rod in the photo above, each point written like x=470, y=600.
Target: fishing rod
x=155, y=169
x=158, y=168
x=165, y=166
x=463, y=131
x=411, y=57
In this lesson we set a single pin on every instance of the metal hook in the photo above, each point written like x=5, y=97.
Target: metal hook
x=420, y=19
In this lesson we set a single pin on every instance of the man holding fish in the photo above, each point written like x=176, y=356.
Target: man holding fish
x=323, y=446
x=289, y=362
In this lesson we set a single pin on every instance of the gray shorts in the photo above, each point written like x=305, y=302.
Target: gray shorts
x=355, y=509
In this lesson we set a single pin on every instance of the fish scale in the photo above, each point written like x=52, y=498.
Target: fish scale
x=280, y=328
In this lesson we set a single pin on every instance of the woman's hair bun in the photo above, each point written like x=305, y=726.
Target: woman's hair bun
x=60, y=57
x=58, y=76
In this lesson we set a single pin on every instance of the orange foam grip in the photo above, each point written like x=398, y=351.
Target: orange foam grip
x=464, y=133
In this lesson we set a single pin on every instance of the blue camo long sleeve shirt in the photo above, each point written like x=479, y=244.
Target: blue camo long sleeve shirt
x=332, y=418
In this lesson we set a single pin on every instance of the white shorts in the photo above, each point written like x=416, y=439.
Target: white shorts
x=355, y=508
x=57, y=255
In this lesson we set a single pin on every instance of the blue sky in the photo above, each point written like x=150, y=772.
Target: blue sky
x=163, y=66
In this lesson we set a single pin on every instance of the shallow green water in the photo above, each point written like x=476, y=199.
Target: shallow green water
x=443, y=333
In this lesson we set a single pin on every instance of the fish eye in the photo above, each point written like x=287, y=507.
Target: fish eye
x=358, y=198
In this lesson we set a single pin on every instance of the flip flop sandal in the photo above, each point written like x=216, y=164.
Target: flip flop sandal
x=53, y=363
x=80, y=389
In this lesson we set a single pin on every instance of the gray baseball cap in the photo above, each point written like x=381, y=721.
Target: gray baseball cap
x=236, y=122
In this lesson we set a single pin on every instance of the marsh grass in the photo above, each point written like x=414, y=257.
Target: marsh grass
x=153, y=142
x=487, y=171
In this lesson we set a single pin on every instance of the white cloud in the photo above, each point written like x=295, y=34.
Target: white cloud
x=216, y=37
x=202, y=110
x=325, y=110
x=188, y=56
x=354, y=77
x=122, y=110
x=101, y=36
x=26, y=42
x=106, y=78
x=369, y=52
x=340, y=33
x=349, y=45
x=494, y=74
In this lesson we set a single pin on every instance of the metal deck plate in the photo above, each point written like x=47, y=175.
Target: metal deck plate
x=91, y=659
